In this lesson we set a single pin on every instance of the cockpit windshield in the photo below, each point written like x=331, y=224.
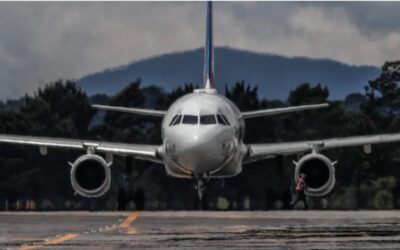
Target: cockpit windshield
x=222, y=119
x=175, y=120
x=190, y=119
x=204, y=120
x=225, y=119
x=207, y=119
x=178, y=120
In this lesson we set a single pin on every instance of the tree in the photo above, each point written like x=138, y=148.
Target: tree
x=382, y=109
x=53, y=109
x=383, y=93
x=244, y=96
x=305, y=94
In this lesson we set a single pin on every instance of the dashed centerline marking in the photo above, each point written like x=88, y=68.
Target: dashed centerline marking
x=126, y=224
x=54, y=241
x=131, y=218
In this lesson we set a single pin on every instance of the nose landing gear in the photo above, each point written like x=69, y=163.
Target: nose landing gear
x=200, y=185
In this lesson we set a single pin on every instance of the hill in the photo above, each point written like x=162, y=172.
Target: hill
x=275, y=75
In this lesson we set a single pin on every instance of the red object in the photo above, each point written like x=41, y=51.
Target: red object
x=300, y=184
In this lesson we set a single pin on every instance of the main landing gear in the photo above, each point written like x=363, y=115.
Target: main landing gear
x=200, y=184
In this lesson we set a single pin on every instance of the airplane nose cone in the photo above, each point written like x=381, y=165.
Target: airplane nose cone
x=200, y=151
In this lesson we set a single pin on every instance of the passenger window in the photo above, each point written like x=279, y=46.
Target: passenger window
x=226, y=119
x=207, y=119
x=173, y=120
x=177, y=120
x=190, y=119
x=220, y=120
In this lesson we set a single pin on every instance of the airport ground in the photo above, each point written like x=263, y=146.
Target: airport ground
x=201, y=230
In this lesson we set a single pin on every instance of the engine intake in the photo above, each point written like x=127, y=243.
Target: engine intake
x=90, y=176
x=319, y=171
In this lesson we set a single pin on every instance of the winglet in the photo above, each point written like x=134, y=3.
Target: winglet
x=209, y=51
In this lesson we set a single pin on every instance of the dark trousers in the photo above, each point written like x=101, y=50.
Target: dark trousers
x=300, y=197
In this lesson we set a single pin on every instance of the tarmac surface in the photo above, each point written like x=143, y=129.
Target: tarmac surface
x=201, y=230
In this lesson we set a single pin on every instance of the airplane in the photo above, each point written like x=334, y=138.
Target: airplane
x=202, y=138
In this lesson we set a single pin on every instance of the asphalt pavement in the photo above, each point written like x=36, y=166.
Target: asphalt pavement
x=201, y=230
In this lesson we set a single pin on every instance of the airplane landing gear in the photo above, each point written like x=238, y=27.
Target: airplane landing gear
x=200, y=185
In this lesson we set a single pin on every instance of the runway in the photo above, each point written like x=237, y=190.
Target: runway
x=201, y=230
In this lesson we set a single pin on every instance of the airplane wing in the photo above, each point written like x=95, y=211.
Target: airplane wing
x=267, y=112
x=263, y=151
x=138, y=111
x=141, y=151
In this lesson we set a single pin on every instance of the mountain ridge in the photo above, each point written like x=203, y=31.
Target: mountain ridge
x=275, y=75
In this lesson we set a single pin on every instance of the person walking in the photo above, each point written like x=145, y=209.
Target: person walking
x=301, y=196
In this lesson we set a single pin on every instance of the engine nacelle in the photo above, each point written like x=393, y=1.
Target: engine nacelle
x=319, y=171
x=90, y=175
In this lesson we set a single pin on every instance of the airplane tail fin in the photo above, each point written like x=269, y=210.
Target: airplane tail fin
x=209, y=51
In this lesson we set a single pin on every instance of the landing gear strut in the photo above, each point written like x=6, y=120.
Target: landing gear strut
x=200, y=185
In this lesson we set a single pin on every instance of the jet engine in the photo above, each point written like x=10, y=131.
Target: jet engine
x=319, y=171
x=90, y=175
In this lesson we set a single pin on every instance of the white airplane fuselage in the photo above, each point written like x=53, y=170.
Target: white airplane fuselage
x=202, y=136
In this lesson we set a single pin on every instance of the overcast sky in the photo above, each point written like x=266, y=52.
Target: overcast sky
x=45, y=41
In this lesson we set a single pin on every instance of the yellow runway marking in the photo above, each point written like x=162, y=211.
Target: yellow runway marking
x=66, y=237
x=131, y=218
x=55, y=241
x=126, y=224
